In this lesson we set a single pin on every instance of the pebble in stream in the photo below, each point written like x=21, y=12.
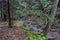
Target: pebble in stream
x=36, y=29
x=33, y=27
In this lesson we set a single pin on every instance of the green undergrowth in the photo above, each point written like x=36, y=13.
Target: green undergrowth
x=32, y=35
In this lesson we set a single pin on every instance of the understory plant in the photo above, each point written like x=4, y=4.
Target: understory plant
x=41, y=14
x=31, y=35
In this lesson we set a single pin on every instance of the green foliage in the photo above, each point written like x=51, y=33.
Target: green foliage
x=58, y=13
x=56, y=17
x=39, y=20
x=20, y=23
x=30, y=4
x=44, y=2
x=23, y=12
x=47, y=16
x=38, y=12
x=41, y=14
x=32, y=35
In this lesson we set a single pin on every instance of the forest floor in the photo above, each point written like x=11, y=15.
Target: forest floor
x=14, y=33
x=17, y=33
x=54, y=34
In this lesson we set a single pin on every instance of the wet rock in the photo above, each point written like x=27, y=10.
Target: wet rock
x=36, y=29
x=53, y=36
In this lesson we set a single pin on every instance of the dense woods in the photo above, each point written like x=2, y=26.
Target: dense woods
x=29, y=19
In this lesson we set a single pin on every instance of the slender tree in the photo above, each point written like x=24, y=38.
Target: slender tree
x=53, y=13
x=9, y=15
x=1, y=9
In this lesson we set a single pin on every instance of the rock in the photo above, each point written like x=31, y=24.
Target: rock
x=34, y=27
x=53, y=36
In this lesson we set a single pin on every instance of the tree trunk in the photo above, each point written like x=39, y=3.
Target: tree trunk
x=9, y=16
x=53, y=12
x=5, y=17
x=1, y=11
x=4, y=10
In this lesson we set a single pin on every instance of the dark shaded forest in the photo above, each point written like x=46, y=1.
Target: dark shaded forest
x=29, y=19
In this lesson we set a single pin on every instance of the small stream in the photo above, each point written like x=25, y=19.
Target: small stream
x=34, y=27
x=54, y=32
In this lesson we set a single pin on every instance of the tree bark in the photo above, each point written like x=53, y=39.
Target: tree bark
x=9, y=16
x=4, y=10
x=53, y=13
x=1, y=10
